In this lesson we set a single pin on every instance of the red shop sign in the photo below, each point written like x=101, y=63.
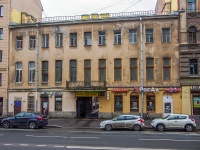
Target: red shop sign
x=120, y=90
x=173, y=90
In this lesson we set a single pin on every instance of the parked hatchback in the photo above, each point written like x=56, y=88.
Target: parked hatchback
x=31, y=120
x=124, y=121
x=174, y=121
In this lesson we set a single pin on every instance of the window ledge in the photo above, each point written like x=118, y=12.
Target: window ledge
x=58, y=82
x=73, y=46
x=44, y=82
x=117, y=43
x=31, y=48
x=87, y=45
x=45, y=47
x=101, y=44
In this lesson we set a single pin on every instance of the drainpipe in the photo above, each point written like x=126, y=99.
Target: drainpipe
x=36, y=67
x=142, y=65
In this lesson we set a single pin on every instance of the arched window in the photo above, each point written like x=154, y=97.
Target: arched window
x=31, y=103
x=192, y=35
x=118, y=102
x=134, y=102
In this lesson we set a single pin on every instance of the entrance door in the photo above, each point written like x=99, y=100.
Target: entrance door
x=1, y=106
x=84, y=107
x=17, y=107
x=167, y=105
x=45, y=105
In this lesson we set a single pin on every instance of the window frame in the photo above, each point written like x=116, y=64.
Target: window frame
x=1, y=33
x=73, y=39
x=191, y=5
x=59, y=40
x=118, y=107
x=45, y=71
x=166, y=35
x=73, y=70
x=32, y=42
x=133, y=36
x=87, y=69
x=196, y=66
x=117, y=68
x=87, y=38
x=148, y=100
x=102, y=37
x=132, y=100
x=31, y=72
x=149, y=36
x=133, y=67
x=19, y=42
x=165, y=78
x=1, y=55
x=58, y=71
x=102, y=70
x=18, y=73
x=0, y=79
x=117, y=37
x=1, y=11
x=31, y=103
x=148, y=67
x=192, y=35
x=45, y=40
x=58, y=102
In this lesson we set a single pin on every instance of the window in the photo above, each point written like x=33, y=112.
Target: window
x=191, y=5
x=0, y=79
x=58, y=75
x=193, y=66
x=58, y=103
x=166, y=35
x=102, y=70
x=73, y=39
x=1, y=55
x=31, y=103
x=73, y=70
x=133, y=69
x=117, y=37
x=118, y=103
x=102, y=38
x=1, y=33
x=192, y=35
x=150, y=103
x=45, y=40
x=87, y=72
x=167, y=69
x=45, y=71
x=88, y=38
x=133, y=36
x=149, y=35
x=59, y=40
x=134, y=103
x=18, y=72
x=118, y=69
x=1, y=11
x=19, y=42
x=31, y=73
x=149, y=69
x=32, y=42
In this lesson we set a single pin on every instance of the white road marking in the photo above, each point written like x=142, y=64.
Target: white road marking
x=24, y=144
x=58, y=146
x=170, y=140
x=46, y=136
x=93, y=132
x=84, y=137
x=41, y=145
x=170, y=133
x=1, y=134
x=7, y=144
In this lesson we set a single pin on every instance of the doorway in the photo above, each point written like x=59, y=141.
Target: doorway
x=17, y=107
x=84, y=107
x=1, y=106
x=167, y=104
x=45, y=105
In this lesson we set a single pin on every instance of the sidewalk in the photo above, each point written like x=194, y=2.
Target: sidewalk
x=90, y=123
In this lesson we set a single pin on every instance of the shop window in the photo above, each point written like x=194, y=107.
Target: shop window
x=58, y=103
x=73, y=70
x=134, y=103
x=102, y=38
x=150, y=103
x=102, y=70
x=118, y=103
x=150, y=69
x=196, y=104
x=133, y=69
x=31, y=103
x=118, y=69
x=133, y=36
x=192, y=35
x=166, y=69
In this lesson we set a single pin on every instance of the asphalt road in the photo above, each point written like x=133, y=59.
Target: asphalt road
x=79, y=139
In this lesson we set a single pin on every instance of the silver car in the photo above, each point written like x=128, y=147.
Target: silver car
x=124, y=121
x=174, y=121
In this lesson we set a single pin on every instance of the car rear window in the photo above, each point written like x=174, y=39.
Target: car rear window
x=182, y=117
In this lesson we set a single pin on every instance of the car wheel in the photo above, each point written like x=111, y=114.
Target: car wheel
x=136, y=127
x=108, y=127
x=160, y=127
x=6, y=124
x=32, y=125
x=189, y=128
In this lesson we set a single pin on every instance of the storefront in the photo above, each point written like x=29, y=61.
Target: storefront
x=195, y=95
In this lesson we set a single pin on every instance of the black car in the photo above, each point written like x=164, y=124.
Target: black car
x=31, y=120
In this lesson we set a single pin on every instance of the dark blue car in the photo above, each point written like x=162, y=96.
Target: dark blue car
x=28, y=119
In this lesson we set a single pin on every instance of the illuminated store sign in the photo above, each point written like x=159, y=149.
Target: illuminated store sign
x=195, y=88
x=140, y=89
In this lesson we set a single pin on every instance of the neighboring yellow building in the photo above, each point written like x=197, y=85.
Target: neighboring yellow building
x=12, y=12
x=96, y=67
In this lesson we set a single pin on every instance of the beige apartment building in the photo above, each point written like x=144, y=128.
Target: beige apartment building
x=98, y=65
x=189, y=49
x=12, y=12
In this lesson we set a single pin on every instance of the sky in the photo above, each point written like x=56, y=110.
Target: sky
x=53, y=8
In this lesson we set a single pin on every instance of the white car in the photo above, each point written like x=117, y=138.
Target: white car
x=174, y=121
x=123, y=121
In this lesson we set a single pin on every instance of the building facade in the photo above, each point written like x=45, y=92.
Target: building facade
x=98, y=65
x=12, y=12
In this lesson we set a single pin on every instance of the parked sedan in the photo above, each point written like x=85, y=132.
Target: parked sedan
x=174, y=121
x=124, y=121
x=31, y=120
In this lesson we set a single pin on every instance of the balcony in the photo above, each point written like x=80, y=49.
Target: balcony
x=86, y=86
